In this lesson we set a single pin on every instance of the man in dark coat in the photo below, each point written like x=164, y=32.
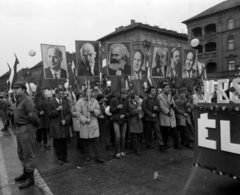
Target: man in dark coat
x=150, y=107
x=59, y=112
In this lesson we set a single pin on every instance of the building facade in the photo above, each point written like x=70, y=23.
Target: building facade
x=218, y=30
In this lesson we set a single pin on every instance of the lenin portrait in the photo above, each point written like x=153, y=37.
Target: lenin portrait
x=54, y=61
x=87, y=54
x=119, y=58
x=189, y=69
x=159, y=61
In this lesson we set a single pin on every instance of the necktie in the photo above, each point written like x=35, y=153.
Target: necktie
x=56, y=76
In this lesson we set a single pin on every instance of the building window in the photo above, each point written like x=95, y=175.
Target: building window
x=230, y=43
x=230, y=24
x=231, y=64
x=211, y=67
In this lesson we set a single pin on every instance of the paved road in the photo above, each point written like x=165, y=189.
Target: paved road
x=169, y=173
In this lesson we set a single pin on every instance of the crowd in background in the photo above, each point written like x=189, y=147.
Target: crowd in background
x=111, y=119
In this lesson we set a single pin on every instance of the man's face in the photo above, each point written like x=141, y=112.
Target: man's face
x=189, y=61
x=166, y=89
x=18, y=91
x=54, y=60
x=137, y=61
x=116, y=55
x=176, y=57
x=60, y=95
x=88, y=55
x=182, y=95
x=161, y=58
x=153, y=92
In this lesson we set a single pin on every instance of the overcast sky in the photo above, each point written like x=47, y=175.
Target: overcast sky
x=27, y=24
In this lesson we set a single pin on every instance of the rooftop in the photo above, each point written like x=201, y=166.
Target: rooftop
x=228, y=4
x=135, y=25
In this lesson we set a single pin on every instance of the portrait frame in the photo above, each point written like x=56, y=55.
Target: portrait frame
x=170, y=64
x=128, y=46
x=46, y=66
x=144, y=66
x=153, y=62
x=82, y=70
x=194, y=72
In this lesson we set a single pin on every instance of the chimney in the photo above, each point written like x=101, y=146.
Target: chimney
x=132, y=21
x=116, y=29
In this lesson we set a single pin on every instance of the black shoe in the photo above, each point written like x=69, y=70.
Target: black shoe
x=60, y=162
x=108, y=148
x=138, y=153
x=88, y=159
x=100, y=160
x=66, y=160
x=149, y=147
x=177, y=147
x=30, y=181
x=22, y=177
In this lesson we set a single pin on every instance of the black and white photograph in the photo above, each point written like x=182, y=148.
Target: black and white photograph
x=189, y=67
x=174, y=67
x=139, y=65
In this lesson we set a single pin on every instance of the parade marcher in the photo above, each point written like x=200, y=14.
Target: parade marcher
x=59, y=112
x=183, y=118
x=87, y=111
x=167, y=117
x=103, y=123
x=197, y=96
x=42, y=131
x=150, y=107
x=26, y=121
x=4, y=108
x=135, y=122
x=119, y=107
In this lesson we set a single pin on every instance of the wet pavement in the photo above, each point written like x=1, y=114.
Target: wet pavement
x=154, y=172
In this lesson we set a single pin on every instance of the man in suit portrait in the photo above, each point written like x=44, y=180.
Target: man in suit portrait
x=138, y=62
x=174, y=69
x=161, y=62
x=118, y=57
x=54, y=57
x=89, y=65
x=188, y=71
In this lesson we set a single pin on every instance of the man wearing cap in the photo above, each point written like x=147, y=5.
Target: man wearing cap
x=59, y=112
x=150, y=107
x=119, y=107
x=4, y=107
x=167, y=116
x=26, y=121
x=183, y=118
x=197, y=96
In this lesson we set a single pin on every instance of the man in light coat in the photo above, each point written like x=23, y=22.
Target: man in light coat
x=167, y=117
x=87, y=111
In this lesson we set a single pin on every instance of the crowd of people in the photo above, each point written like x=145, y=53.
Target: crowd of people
x=100, y=116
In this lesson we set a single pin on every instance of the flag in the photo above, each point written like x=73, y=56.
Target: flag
x=138, y=87
x=9, y=68
x=14, y=77
x=42, y=84
x=71, y=78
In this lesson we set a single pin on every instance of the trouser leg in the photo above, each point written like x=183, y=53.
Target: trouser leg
x=134, y=137
x=39, y=135
x=175, y=136
x=123, y=130
x=117, y=136
x=97, y=147
x=26, y=150
x=86, y=149
x=165, y=135
x=147, y=133
x=158, y=133
x=44, y=136
x=58, y=148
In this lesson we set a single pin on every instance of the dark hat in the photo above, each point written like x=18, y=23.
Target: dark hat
x=20, y=84
x=182, y=90
x=100, y=97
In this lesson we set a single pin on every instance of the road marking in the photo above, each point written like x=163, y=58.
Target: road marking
x=39, y=181
x=4, y=176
